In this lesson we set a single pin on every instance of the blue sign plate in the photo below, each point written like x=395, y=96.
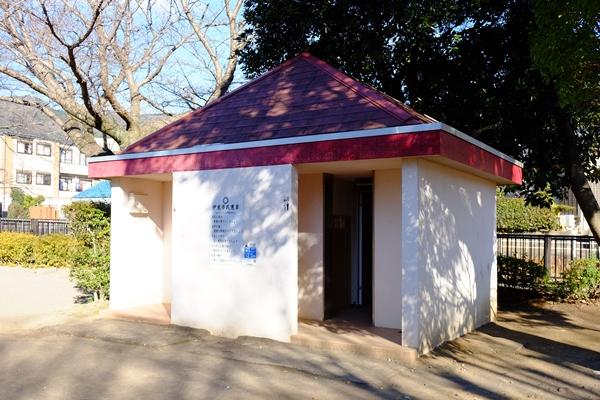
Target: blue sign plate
x=250, y=252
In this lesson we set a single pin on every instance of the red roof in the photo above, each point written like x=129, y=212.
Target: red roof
x=302, y=96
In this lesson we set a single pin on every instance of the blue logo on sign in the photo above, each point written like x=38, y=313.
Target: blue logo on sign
x=250, y=252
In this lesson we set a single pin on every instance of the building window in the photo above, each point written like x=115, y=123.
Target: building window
x=43, y=149
x=24, y=177
x=84, y=184
x=66, y=183
x=24, y=147
x=72, y=183
x=82, y=159
x=42, y=178
x=66, y=156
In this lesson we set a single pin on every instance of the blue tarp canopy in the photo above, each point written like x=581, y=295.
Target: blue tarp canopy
x=100, y=190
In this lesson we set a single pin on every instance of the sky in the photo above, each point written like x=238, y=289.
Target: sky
x=185, y=63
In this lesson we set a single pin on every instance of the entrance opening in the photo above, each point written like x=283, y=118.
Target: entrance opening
x=348, y=248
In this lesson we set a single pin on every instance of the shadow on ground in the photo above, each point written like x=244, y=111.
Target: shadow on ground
x=541, y=350
x=538, y=351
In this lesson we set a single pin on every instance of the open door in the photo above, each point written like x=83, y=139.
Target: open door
x=348, y=247
x=365, y=243
x=337, y=278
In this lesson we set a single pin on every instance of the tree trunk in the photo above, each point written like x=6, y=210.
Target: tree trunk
x=84, y=140
x=579, y=183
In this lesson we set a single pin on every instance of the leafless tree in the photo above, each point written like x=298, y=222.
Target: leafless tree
x=217, y=42
x=102, y=62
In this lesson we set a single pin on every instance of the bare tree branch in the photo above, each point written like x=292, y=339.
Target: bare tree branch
x=103, y=62
x=197, y=16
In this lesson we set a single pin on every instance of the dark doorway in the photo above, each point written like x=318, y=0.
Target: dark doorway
x=348, y=215
x=365, y=243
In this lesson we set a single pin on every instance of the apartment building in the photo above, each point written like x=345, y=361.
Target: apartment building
x=37, y=156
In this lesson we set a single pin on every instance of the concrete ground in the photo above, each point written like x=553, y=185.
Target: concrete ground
x=31, y=298
x=548, y=351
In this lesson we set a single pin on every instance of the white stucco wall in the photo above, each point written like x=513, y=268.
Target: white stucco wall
x=310, y=247
x=136, y=263
x=448, y=253
x=387, y=267
x=238, y=298
x=167, y=205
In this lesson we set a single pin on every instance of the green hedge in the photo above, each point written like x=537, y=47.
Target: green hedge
x=38, y=251
x=581, y=281
x=516, y=273
x=513, y=215
x=56, y=250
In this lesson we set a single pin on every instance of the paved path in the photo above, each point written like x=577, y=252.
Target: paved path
x=548, y=352
x=31, y=298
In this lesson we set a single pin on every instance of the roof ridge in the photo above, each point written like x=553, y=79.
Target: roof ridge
x=334, y=73
x=381, y=101
x=217, y=101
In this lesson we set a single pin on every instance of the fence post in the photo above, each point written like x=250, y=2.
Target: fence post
x=547, y=253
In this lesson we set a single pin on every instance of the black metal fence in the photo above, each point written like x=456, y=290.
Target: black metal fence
x=34, y=226
x=553, y=251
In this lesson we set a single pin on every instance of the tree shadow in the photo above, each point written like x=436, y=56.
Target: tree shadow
x=535, y=347
x=116, y=359
x=550, y=350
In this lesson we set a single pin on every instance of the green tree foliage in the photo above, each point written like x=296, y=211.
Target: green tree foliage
x=89, y=222
x=21, y=203
x=566, y=49
x=514, y=215
x=468, y=63
x=565, y=45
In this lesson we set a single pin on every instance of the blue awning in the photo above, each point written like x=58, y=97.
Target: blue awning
x=100, y=190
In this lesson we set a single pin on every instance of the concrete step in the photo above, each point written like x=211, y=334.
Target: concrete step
x=158, y=314
x=373, y=342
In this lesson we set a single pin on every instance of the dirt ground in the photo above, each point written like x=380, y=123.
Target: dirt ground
x=547, y=351
x=31, y=298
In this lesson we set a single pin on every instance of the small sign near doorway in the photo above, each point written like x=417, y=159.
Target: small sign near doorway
x=250, y=253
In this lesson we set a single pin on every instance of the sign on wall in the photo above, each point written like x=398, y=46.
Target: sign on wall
x=227, y=245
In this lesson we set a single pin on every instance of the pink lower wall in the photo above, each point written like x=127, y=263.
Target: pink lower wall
x=387, y=266
x=137, y=257
x=167, y=242
x=310, y=247
x=448, y=253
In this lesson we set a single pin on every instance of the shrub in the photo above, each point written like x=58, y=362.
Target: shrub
x=37, y=251
x=513, y=215
x=16, y=248
x=55, y=250
x=92, y=273
x=581, y=281
x=89, y=222
x=517, y=273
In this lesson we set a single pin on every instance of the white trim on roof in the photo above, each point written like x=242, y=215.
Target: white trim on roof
x=205, y=148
